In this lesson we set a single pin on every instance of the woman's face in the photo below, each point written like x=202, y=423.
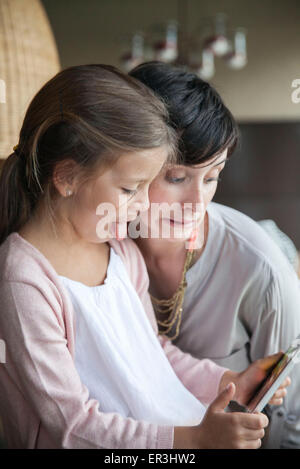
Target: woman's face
x=101, y=207
x=192, y=188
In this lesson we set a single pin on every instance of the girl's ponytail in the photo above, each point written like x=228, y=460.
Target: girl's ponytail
x=15, y=205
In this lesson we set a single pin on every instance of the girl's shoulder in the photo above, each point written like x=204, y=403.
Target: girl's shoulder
x=27, y=277
x=20, y=261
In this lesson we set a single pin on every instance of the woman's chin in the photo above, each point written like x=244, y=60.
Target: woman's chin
x=177, y=231
x=177, y=234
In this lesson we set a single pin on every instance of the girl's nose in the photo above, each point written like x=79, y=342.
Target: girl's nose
x=142, y=202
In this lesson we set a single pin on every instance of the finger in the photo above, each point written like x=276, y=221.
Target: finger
x=276, y=401
x=277, y=398
x=268, y=362
x=255, y=421
x=279, y=393
x=251, y=444
x=285, y=383
x=253, y=434
x=223, y=399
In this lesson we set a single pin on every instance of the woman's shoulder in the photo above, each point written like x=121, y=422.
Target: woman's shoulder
x=231, y=217
x=248, y=237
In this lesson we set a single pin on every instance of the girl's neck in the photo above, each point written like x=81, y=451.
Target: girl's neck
x=70, y=255
x=42, y=230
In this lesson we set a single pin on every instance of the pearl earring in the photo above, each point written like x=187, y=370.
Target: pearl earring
x=68, y=192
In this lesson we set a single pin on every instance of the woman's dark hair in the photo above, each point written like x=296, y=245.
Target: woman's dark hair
x=205, y=125
x=90, y=114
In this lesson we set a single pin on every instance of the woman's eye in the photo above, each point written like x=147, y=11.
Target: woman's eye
x=175, y=180
x=129, y=191
x=209, y=180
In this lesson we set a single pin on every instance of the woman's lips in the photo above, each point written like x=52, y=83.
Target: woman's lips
x=181, y=222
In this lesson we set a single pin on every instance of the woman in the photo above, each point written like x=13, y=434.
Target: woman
x=242, y=297
x=84, y=367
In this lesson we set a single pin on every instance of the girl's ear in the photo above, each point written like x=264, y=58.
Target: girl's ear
x=65, y=177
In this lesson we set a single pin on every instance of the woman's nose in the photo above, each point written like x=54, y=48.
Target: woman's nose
x=196, y=201
x=196, y=195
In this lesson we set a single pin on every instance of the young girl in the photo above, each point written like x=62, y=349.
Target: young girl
x=84, y=367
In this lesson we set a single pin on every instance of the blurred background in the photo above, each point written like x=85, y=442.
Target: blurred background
x=255, y=66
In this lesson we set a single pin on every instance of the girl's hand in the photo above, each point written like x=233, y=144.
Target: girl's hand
x=247, y=381
x=222, y=430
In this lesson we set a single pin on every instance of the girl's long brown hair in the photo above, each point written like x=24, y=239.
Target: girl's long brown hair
x=90, y=114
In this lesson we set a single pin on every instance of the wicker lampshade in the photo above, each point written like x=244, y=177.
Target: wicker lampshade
x=28, y=58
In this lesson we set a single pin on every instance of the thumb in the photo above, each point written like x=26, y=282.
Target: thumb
x=223, y=399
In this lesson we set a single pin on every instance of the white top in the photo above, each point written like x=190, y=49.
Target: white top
x=242, y=302
x=119, y=358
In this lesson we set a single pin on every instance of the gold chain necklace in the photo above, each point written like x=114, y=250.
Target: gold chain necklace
x=173, y=306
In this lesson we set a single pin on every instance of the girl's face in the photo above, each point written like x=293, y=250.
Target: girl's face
x=103, y=206
x=192, y=188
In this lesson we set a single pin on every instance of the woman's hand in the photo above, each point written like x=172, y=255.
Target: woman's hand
x=222, y=430
x=247, y=381
x=238, y=430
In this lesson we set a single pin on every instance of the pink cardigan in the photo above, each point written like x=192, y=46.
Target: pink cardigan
x=43, y=402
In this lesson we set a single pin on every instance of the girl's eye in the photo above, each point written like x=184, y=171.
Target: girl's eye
x=209, y=180
x=129, y=191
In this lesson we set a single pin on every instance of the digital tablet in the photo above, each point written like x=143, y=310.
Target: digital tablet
x=277, y=375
